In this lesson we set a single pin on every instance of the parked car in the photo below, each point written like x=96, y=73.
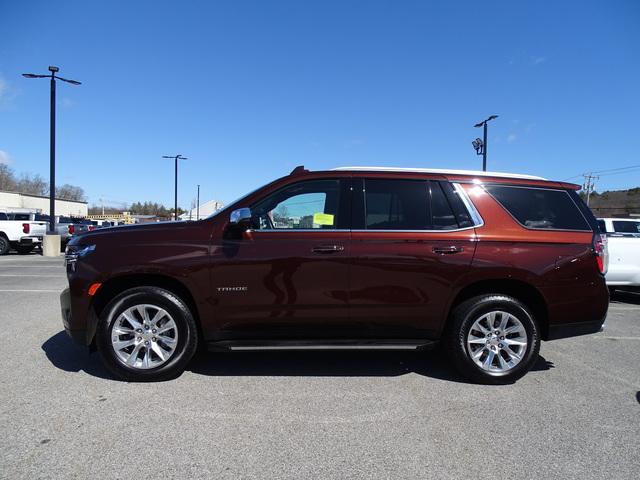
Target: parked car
x=623, y=239
x=488, y=264
x=20, y=235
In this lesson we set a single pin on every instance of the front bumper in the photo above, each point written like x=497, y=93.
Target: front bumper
x=78, y=335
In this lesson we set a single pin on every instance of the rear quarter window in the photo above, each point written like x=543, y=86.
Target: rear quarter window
x=540, y=208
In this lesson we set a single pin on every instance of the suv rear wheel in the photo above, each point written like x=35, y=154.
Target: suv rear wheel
x=493, y=339
x=146, y=334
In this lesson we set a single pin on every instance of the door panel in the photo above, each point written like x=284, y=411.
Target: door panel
x=282, y=284
x=401, y=284
x=288, y=276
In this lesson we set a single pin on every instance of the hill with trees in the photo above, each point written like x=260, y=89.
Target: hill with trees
x=615, y=203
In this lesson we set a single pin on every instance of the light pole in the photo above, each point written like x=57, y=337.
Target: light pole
x=176, y=158
x=198, y=205
x=481, y=145
x=52, y=142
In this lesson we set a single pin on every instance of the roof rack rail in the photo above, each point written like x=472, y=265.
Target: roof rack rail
x=299, y=170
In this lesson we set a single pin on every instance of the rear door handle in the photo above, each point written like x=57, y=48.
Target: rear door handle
x=447, y=250
x=324, y=249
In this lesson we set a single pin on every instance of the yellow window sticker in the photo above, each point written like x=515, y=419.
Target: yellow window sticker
x=323, y=219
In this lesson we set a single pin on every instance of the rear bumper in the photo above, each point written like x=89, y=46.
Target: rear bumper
x=79, y=336
x=564, y=330
x=26, y=241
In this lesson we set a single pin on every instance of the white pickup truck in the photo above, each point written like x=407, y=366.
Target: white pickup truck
x=623, y=238
x=21, y=236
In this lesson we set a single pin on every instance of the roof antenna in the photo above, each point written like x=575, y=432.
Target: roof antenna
x=299, y=170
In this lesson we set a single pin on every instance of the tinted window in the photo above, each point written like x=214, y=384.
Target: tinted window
x=304, y=205
x=396, y=204
x=602, y=226
x=626, y=227
x=410, y=205
x=540, y=208
x=457, y=205
x=3, y=216
x=442, y=216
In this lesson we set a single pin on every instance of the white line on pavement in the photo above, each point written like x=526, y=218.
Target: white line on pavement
x=41, y=291
x=28, y=275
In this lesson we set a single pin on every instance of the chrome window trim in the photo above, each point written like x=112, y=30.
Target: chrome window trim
x=299, y=230
x=476, y=218
x=415, y=231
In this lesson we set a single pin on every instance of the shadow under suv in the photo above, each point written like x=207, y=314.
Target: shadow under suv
x=487, y=264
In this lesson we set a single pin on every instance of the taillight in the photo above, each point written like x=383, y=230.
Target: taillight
x=26, y=228
x=92, y=228
x=602, y=252
x=71, y=229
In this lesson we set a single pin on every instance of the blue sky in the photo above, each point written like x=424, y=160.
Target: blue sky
x=250, y=89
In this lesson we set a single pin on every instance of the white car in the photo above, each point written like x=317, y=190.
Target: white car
x=623, y=238
x=20, y=235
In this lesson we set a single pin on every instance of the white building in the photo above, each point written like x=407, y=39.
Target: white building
x=11, y=202
x=206, y=209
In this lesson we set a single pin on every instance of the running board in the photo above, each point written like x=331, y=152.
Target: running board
x=252, y=345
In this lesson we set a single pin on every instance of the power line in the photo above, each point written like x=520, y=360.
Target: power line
x=605, y=172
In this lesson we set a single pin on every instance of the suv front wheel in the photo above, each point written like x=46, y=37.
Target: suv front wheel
x=146, y=334
x=493, y=339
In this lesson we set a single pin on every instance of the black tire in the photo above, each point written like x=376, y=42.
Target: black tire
x=4, y=245
x=185, y=323
x=462, y=319
x=25, y=249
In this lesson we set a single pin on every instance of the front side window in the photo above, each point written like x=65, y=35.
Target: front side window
x=626, y=227
x=539, y=208
x=312, y=204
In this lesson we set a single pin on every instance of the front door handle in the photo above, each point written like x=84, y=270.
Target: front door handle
x=447, y=250
x=324, y=249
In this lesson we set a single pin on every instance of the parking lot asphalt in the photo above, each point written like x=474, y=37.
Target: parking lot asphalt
x=308, y=414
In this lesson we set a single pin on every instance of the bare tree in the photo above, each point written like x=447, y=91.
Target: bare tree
x=70, y=192
x=7, y=178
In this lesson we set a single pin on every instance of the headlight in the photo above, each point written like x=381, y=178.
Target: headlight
x=74, y=252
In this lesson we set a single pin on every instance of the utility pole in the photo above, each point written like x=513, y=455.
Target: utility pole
x=589, y=185
x=176, y=158
x=198, y=205
x=481, y=145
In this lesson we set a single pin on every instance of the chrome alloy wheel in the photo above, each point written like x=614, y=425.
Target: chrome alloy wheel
x=497, y=342
x=144, y=336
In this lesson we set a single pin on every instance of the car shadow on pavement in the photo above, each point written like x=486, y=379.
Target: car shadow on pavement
x=433, y=364
x=67, y=356
x=622, y=296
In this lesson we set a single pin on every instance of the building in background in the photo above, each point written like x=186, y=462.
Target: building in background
x=11, y=201
x=206, y=209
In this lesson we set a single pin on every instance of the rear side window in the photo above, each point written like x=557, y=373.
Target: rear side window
x=626, y=227
x=398, y=204
x=539, y=208
x=3, y=216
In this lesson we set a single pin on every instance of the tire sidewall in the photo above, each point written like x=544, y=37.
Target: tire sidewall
x=4, y=246
x=151, y=296
x=506, y=304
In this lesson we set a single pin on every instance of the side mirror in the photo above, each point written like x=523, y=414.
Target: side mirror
x=240, y=215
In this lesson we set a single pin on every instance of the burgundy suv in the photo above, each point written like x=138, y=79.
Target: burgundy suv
x=487, y=264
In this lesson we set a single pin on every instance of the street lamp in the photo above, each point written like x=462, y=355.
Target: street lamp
x=176, y=158
x=198, y=205
x=52, y=141
x=481, y=145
